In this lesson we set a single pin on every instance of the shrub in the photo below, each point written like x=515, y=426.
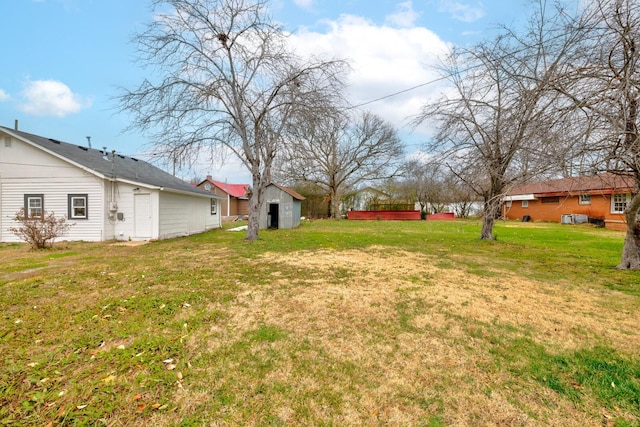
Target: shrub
x=40, y=232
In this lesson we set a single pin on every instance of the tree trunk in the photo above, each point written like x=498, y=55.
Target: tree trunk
x=335, y=205
x=491, y=209
x=631, y=249
x=255, y=205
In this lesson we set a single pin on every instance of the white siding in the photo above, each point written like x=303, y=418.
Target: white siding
x=181, y=215
x=26, y=170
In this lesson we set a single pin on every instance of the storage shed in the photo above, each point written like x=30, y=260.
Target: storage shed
x=281, y=208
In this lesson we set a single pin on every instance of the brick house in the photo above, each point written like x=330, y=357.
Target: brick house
x=235, y=200
x=597, y=198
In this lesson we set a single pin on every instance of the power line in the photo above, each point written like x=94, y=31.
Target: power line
x=397, y=93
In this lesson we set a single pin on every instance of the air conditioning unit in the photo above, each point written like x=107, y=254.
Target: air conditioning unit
x=567, y=219
x=580, y=218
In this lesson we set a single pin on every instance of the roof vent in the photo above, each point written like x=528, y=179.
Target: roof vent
x=83, y=148
x=55, y=141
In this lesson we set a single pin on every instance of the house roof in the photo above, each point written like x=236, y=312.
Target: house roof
x=606, y=183
x=238, y=191
x=289, y=191
x=108, y=165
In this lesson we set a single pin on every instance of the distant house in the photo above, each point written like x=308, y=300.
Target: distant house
x=235, y=199
x=599, y=198
x=105, y=195
x=363, y=199
x=281, y=208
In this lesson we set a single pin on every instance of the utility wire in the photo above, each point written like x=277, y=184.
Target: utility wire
x=397, y=93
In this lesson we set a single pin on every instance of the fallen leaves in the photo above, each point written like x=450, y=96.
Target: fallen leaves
x=169, y=364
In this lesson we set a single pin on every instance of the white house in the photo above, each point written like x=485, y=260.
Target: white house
x=104, y=194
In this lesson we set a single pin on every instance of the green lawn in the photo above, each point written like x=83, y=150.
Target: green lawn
x=333, y=323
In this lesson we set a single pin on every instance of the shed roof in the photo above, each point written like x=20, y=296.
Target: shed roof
x=289, y=191
x=606, y=183
x=108, y=165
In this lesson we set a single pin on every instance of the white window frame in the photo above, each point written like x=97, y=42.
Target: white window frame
x=31, y=207
x=508, y=203
x=214, y=207
x=584, y=199
x=525, y=203
x=72, y=213
x=619, y=202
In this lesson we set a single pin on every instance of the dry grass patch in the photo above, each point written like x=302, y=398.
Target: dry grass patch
x=396, y=340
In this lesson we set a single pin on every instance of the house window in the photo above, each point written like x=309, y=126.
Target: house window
x=525, y=203
x=34, y=205
x=550, y=200
x=78, y=206
x=619, y=202
x=585, y=199
x=508, y=203
x=214, y=206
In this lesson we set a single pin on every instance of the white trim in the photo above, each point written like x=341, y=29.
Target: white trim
x=626, y=202
x=519, y=197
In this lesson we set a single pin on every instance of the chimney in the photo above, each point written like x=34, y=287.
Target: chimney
x=209, y=178
x=15, y=124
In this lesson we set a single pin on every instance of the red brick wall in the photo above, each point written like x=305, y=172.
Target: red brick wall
x=600, y=207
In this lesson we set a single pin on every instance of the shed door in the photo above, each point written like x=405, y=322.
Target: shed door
x=272, y=217
x=142, y=215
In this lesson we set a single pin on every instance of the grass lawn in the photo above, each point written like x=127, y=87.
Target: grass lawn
x=333, y=323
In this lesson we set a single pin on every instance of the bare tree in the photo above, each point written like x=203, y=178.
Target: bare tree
x=337, y=152
x=225, y=78
x=428, y=184
x=497, y=127
x=604, y=88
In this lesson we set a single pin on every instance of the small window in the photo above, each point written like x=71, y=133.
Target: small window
x=34, y=205
x=214, y=206
x=508, y=203
x=78, y=206
x=619, y=202
x=550, y=200
x=7, y=142
x=525, y=203
x=585, y=199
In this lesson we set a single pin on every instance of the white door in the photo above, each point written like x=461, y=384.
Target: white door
x=142, y=216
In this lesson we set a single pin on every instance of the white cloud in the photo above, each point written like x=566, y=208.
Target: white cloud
x=384, y=60
x=51, y=98
x=4, y=96
x=405, y=16
x=464, y=12
x=305, y=4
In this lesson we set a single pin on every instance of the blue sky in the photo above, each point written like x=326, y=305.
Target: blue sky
x=65, y=60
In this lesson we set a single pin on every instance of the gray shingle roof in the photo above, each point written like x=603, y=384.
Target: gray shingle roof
x=109, y=165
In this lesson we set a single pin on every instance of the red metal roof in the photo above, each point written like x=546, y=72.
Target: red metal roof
x=606, y=183
x=236, y=190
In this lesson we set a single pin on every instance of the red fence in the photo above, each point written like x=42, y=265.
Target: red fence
x=384, y=215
